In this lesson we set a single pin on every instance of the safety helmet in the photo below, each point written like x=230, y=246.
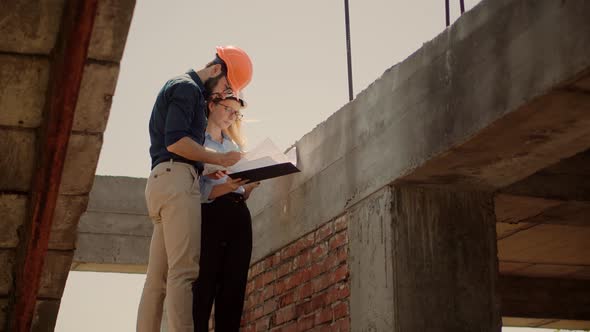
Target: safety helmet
x=239, y=67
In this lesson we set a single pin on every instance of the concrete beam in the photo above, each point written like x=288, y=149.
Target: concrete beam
x=567, y=180
x=555, y=299
x=66, y=75
x=111, y=27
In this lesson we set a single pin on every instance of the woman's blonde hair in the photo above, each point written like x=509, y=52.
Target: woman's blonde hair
x=234, y=131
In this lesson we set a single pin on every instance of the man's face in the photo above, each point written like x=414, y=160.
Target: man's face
x=219, y=87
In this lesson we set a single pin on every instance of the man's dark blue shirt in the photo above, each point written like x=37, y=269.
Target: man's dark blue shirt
x=179, y=111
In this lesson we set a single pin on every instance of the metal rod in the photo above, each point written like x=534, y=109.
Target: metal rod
x=447, y=14
x=348, y=54
x=462, y=2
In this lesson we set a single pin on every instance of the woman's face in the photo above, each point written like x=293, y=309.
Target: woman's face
x=225, y=112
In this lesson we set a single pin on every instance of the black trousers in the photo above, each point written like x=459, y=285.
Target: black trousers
x=226, y=248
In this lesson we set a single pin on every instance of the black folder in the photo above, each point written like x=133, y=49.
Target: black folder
x=267, y=172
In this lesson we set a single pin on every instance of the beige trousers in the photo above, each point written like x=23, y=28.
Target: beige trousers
x=174, y=204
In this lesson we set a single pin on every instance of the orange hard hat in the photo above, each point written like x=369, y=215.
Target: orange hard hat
x=239, y=67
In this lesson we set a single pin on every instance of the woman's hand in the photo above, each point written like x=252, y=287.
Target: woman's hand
x=249, y=188
x=216, y=175
x=226, y=187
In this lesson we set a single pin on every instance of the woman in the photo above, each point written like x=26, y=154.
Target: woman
x=226, y=231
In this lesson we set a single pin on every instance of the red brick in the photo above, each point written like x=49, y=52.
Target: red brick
x=258, y=282
x=324, y=232
x=337, y=293
x=249, y=287
x=290, y=327
x=284, y=269
x=280, y=286
x=298, y=246
x=268, y=292
x=249, y=328
x=305, y=323
x=341, y=223
x=319, y=251
x=318, y=268
x=331, y=261
x=268, y=277
x=257, y=312
x=251, y=301
x=303, y=291
x=246, y=317
x=293, y=280
x=273, y=260
x=256, y=298
x=342, y=253
x=342, y=325
x=339, y=274
x=338, y=240
x=320, y=283
x=263, y=324
x=303, y=308
x=340, y=310
x=304, y=275
x=302, y=260
x=318, y=301
x=256, y=269
x=287, y=299
x=344, y=291
x=323, y=316
x=285, y=314
x=270, y=306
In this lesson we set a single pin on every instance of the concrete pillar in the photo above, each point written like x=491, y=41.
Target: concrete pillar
x=424, y=259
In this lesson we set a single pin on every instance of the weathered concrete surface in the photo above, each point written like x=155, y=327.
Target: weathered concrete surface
x=96, y=95
x=465, y=110
x=17, y=147
x=114, y=234
x=371, y=263
x=23, y=86
x=29, y=31
x=444, y=261
x=30, y=27
x=12, y=212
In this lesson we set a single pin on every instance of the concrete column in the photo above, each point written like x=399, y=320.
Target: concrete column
x=424, y=259
x=445, y=270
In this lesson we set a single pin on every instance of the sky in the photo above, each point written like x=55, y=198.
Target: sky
x=298, y=49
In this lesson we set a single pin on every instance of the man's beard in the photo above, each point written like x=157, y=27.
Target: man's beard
x=211, y=82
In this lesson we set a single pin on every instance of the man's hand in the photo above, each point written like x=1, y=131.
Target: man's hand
x=249, y=188
x=229, y=158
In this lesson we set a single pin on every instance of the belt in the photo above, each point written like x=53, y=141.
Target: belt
x=232, y=197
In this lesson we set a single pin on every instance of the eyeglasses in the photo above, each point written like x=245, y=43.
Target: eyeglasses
x=228, y=91
x=232, y=112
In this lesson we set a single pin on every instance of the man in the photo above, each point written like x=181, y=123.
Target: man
x=177, y=133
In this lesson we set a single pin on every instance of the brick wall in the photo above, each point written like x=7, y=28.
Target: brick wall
x=303, y=286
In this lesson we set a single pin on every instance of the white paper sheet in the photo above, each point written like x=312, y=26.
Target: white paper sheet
x=264, y=154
